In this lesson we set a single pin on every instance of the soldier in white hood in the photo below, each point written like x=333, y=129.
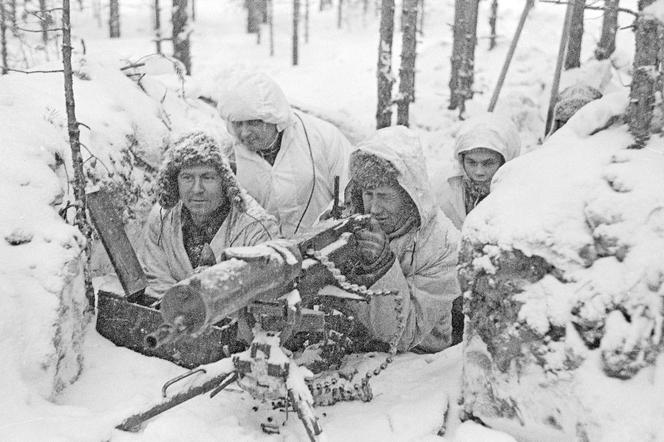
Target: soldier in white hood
x=411, y=248
x=483, y=144
x=285, y=159
x=201, y=211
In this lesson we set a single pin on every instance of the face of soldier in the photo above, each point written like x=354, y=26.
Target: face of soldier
x=256, y=135
x=388, y=205
x=481, y=164
x=200, y=190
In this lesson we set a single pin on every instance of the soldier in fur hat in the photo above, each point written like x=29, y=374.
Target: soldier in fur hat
x=411, y=247
x=201, y=211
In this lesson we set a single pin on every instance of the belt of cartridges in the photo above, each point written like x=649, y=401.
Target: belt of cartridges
x=330, y=388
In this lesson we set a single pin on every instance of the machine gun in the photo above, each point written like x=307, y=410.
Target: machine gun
x=271, y=286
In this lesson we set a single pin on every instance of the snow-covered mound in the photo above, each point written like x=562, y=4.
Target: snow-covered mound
x=44, y=313
x=564, y=288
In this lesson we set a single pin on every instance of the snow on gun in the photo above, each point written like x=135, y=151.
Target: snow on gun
x=194, y=304
x=254, y=277
x=249, y=274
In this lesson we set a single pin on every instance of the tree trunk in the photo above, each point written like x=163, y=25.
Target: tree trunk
x=180, y=36
x=263, y=6
x=13, y=17
x=96, y=12
x=80, y=219
x=607, y=41
x=270, y=21
x=45, y=21
x=339, y=13
x=549, y=127
x=306, y=21
x=296, y=23
x=420, y=12
x=458, y=30
x=467, y=63
x=384, y=71
x=493, y=18
x=3, y=36
x=573, y=58
x=157, y=25
x=408, y=54
x=114, y=19
x=510, y=53
x=252, y=16
x=645, y=77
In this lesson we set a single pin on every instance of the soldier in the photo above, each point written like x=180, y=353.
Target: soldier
x=411, y=246
x=484, y=143
x=285, y=159
x=201, y=211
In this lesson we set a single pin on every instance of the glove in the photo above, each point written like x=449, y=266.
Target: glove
x=373, y=248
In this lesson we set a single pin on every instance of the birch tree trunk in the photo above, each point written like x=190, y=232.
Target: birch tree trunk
x=493, y=18
x=458, y=29
x=384, y=70
x=467, y=63
x=607, y=41
x=180, y=35
x=339, y=13
x=157, y=25
x=296, y=24
x=80, y=219
x=114, y=19
x=573, y=57
x=3, y=36
x=645, y=78
x=408, y=54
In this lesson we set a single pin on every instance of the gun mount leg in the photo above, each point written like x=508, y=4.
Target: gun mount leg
x=305, y=411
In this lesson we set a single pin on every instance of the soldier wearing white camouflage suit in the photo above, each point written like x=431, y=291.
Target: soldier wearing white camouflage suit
x=285, y=159
x=411, y=247
x=201, y=206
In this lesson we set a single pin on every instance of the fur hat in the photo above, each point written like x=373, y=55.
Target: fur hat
x=573, y=98
x=369, y=171
x=195, y=148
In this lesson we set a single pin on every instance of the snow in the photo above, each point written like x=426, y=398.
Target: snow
x=79, y=388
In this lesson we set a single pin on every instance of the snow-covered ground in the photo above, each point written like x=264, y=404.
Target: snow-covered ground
x=335, y=80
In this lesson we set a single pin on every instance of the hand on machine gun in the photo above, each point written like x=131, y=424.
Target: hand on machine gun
x=375, y=254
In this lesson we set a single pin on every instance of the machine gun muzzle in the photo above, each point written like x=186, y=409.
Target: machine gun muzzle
x=166, y=334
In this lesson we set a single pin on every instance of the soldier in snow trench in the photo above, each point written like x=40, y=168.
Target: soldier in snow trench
x=284, y=159
x=411, y=244
x=483, y=145
x=201, y=211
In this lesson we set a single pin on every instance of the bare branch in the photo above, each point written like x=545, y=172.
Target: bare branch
x=36, y=11
x=39, y=30
x=36, y=72
x=131, y=66
x=595, y=8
